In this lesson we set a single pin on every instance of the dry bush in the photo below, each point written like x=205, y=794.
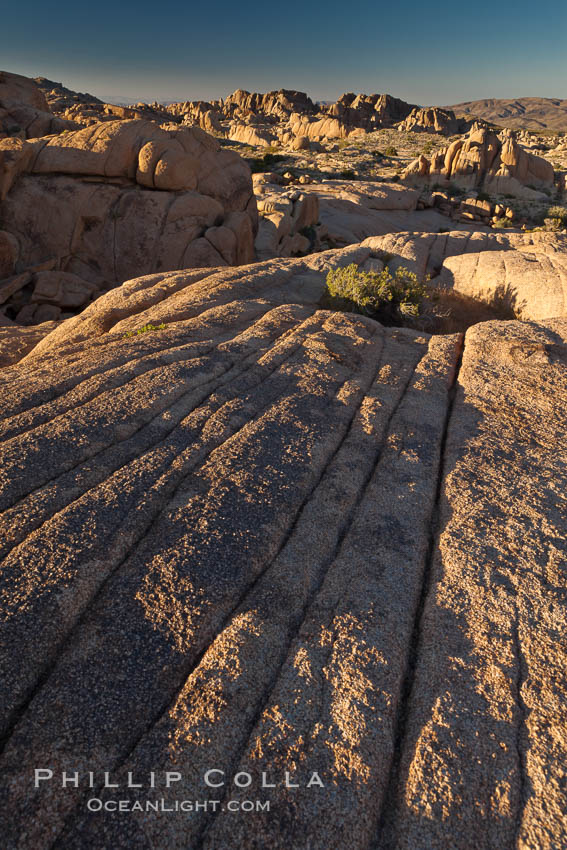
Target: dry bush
x=445, y=311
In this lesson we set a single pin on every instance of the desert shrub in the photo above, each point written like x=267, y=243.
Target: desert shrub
x=446, y=311
x=454, y=190
x=144, y=330
x=390, y=151
x=558, y=213
x=310, y=233
x=484, y=196
x=261, y=163
x=348, y=174
x=388, y=297
x=427, y=148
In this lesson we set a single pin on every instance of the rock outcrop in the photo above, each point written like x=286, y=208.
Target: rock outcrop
x=432, y=119
x=114, y=201
x=351, y=115
x=370, y=112
x=288, y=218
x=60, y=98
x=24, y=111
x=85, y=109
x=278, y=104
x=351, y=211
x=484, y=159
x=271, y=538
x=249, y=134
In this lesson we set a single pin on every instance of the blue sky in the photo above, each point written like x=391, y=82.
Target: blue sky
x=434, y=53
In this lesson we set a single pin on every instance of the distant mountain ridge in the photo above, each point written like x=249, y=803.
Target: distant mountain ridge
x=520, y=113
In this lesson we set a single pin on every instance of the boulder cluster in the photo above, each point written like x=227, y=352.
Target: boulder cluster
x=88, y=209
x=484, y=159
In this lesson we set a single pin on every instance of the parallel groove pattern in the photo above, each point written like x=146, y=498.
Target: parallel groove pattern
x=238, y=543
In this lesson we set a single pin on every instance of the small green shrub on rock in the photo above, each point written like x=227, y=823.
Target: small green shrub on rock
x=144, y=330
x=388, y=297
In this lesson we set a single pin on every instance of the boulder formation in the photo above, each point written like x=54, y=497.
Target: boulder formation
x=296, y=219
x=484, y=159
x=288, y=217
x=278, y=104
x=371, y=112
x=86, y=210
x=269, y=537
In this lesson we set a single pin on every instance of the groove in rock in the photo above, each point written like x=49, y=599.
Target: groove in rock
x=382, y=838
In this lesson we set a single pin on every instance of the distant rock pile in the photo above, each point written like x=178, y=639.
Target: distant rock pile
x=433, y=120
x=484, y=159
x=261, y=119
x=275, y=104
x=86, y=109
x=88, y=209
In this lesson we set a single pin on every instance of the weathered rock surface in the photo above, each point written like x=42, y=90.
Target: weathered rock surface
x=349, y=212
x=295, y=220
x=269, y=537
x=116, y=200
x=248, y=134
x=16, y=341
x=352, y=211
x=496, y=163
